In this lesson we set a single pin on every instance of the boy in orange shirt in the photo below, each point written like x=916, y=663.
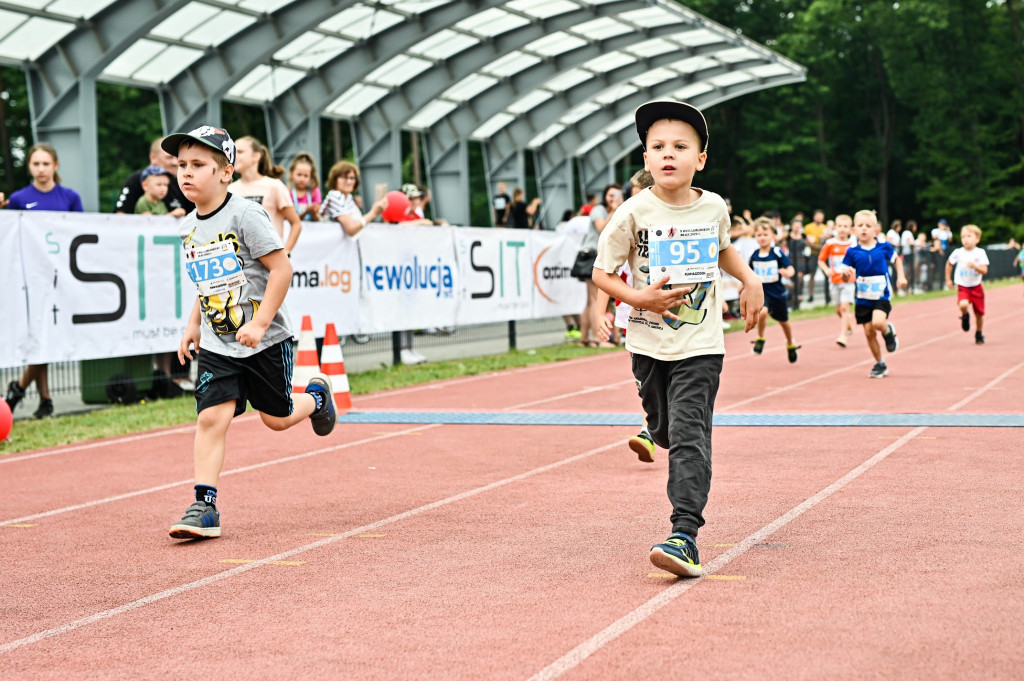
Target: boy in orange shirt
x=830, y=261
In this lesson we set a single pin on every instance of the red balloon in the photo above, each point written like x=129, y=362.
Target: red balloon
x=398, y=204
x=6, y=419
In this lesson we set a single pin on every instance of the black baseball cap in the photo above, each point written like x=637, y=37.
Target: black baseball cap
x=216, y=138
x=647, y=114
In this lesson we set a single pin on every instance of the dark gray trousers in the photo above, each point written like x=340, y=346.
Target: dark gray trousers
x=679, y=399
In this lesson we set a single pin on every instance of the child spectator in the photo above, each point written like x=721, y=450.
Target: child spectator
x=415, y=213
x=304, y=185
x=971, y=264
x=155, y=182
x=770, y=264
x=45, y=193
x=261, y=182
x=675, y=331
x=237, y=261
x=867, y=263
x=830, y=260
x=501, y=204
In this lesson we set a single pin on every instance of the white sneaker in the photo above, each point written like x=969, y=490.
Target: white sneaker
x=187, y=385
x=410, y=357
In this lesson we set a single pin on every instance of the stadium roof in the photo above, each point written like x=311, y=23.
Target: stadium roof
x=555, y=78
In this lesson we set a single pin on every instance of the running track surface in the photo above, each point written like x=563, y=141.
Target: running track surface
x=433, y=551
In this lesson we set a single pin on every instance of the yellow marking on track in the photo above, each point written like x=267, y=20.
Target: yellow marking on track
x=21, y=525
x=726, y=578
x=370, y=536
x=246, y=561
x=323, y=534
x=662, y=575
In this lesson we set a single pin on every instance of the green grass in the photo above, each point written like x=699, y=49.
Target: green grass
x=29, y=434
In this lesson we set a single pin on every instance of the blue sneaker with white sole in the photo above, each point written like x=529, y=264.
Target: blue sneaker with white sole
x=678, y=555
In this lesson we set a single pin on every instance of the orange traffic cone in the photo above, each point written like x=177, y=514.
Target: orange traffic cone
x=306, y=363
x=334, y=367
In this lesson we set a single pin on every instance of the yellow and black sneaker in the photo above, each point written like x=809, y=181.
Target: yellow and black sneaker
x=758, y=346
x=643, y=444
x=678, y=555
x=791, y=351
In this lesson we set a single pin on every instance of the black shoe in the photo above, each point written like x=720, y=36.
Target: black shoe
x=15, y=394
x=325, y=417
x=965, y=321
x=880, y=370
x=45, y=408
x=891, y=343
x=791, y=351
x=978, y=338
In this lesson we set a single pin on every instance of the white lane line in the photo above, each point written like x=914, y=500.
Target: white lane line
x=587, y=648
x=250, y=416
x=241, y=569
x=986, y=387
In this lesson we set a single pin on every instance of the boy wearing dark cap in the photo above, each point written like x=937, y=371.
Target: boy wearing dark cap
x=155, y=183
x=236, y=259
x=675, y=238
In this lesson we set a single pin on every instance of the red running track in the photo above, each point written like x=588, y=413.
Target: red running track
x=508, y=552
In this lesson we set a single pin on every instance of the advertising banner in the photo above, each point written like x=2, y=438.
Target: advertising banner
x=556, y=292
x=495, y=273
x=410, y=278
x=325, y=279
x=13, y=303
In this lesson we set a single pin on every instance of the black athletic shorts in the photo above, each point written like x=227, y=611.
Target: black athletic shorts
x=263, y=379
x=777, y=308
x=863, y=313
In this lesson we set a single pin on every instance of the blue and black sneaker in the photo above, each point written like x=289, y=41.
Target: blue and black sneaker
x=201, y=521
x=325, y=417
x=678, y=555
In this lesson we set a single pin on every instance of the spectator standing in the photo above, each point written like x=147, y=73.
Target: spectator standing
x=340, y=204
x=599, y=217
x=814, y=234
x=261, y=182
x=177, y=203
x=155, y=183
x=304, y=185
x=518, y=217
x=944, y=235
x=502, y=205
x=798, y=255
x=908, y=240
x=45, y=193
x=416, y=213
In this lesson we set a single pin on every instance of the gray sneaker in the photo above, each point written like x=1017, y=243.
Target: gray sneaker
x=879, y=370
x=324, y=418
x=201, y=521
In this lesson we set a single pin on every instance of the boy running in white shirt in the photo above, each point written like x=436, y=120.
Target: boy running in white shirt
x=971, y=263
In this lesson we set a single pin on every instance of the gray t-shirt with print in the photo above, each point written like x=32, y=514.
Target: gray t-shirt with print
x=226, y=303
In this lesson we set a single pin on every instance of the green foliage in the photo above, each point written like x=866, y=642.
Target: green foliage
x=15, y=129
x=129, y=121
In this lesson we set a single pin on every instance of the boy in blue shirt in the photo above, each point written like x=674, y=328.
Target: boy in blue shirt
x=770, y=264
x=867, y=263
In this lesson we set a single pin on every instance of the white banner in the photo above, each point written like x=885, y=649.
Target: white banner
x=85, y=286
x=409, y=277
x=495, y=273
x=325, y=279
x=556, y=291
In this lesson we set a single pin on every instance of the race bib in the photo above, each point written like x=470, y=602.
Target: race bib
x=767, y=270
x=214, y=268
x=871, y=288
x=687, y=254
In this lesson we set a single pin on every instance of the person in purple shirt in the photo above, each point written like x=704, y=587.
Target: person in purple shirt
x=45, y=193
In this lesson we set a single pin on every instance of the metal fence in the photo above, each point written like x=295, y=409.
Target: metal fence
x=88, y=380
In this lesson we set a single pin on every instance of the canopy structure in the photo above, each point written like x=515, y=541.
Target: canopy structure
x=558, y=79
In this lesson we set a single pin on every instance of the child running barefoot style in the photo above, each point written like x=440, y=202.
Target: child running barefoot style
x=830, y=261
x=971, y=264
x=867, y=263
x=770, y=264
x=237, y=261
x=675, y=237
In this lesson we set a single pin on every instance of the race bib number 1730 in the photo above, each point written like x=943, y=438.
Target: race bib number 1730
x=214, y=268
x=685, y=253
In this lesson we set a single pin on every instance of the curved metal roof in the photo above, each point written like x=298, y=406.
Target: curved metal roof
x=556, y=78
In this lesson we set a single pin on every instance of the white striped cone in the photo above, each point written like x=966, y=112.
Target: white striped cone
x=306, y=363
x=333, y=366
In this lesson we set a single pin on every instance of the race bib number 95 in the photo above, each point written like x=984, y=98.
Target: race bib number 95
x=214, y=268
x=685, y=253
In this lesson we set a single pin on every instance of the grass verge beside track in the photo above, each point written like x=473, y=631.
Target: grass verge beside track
x=29, y=434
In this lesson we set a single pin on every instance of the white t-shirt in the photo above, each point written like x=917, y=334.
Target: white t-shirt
x=270, y=193
x=962, y=274
x=907, y=241
x=625, y=240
